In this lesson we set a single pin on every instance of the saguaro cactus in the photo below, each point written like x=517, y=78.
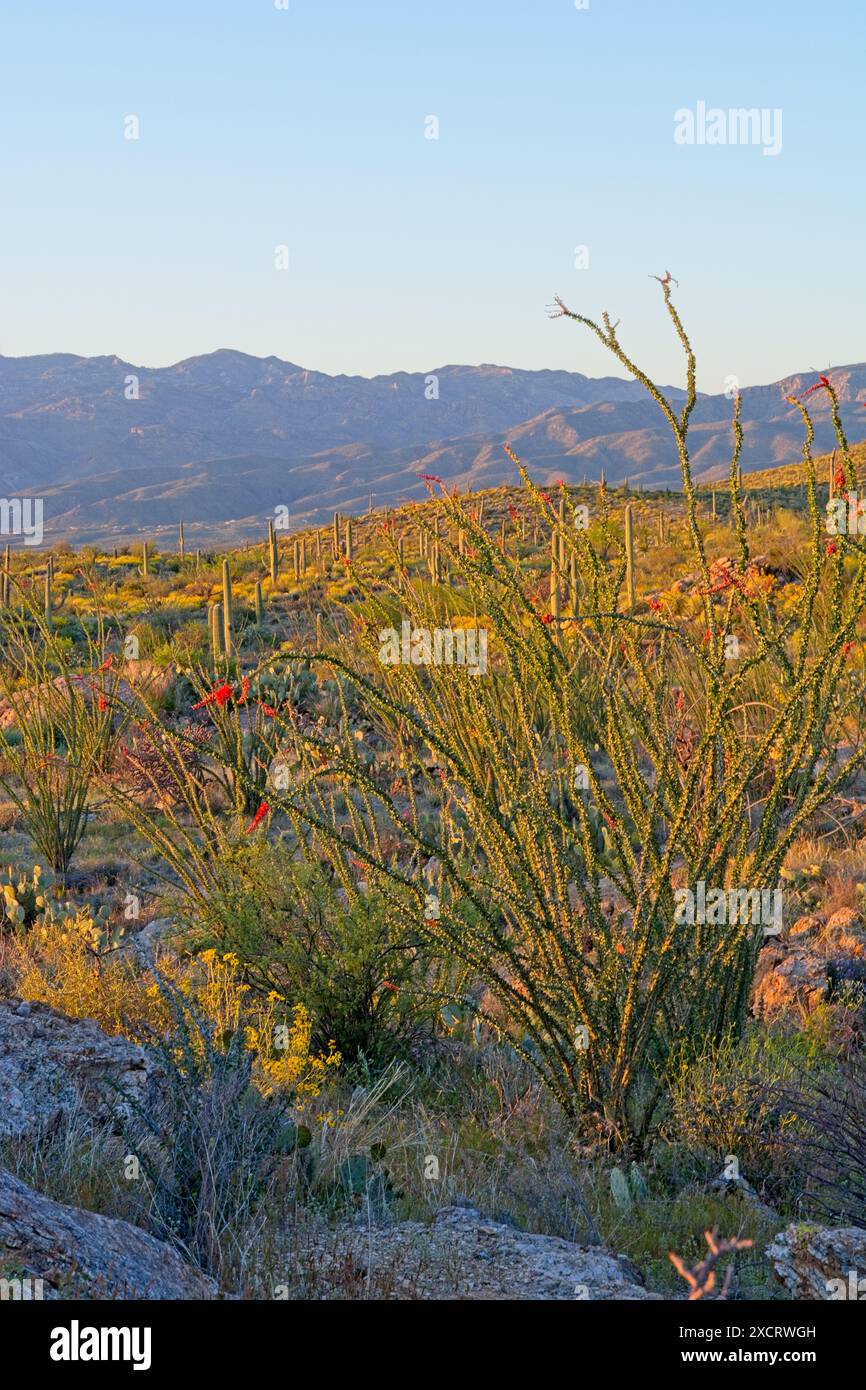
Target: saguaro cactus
x=273, y=553
x=145, y=559
x=227, y=609
x=216, y=640
x=336, y=535
x=555, y=598
x=629, y=558
x=49, y=601
x=181, y=545
x=350, y=547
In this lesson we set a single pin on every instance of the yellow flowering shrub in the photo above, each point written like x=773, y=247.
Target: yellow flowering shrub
x=61, y=967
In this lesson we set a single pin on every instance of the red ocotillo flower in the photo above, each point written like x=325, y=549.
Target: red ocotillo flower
x=822, y=384
x=220, y=696
x=258, y=817
x=245, y=690
x=832, y=547
x=102, y=704
x=269, y=711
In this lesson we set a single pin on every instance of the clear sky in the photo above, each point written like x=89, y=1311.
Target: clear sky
x=305, y=127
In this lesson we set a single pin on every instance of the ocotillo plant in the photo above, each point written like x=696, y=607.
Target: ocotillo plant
x=7, y=577
x=227, y=609
x=260, y=607
x=674, y=757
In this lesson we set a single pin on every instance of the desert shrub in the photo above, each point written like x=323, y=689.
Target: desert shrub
x=826, y=1141
x=369, y=986
x=66, y=719
x=209, y=1147
x=70, y=965
x=728, y=1101
x=61, y=964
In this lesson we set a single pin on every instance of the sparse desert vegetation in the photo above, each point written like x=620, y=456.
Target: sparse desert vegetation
x=495, y=859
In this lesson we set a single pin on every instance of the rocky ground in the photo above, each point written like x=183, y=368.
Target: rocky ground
x=51, y=1065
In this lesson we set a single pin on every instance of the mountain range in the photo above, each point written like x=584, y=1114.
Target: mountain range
x=118, y=451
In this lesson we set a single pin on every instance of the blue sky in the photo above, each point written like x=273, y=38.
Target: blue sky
x=305, y=127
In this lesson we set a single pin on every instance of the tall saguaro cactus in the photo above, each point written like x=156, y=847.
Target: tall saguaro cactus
x=336, y=536
x=145, y=559
x=49, y=600
x=350, y=545
x=555, y=598
x=629, y=558
x=181, y=544
x=227, y=609
x=216, y=639
x=273, y=553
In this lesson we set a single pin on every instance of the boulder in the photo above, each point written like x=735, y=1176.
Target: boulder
x=796, y=973
x=78, y=1254
x=52, y=1066
x=820, y=1262
x=786, y=981
x=464, y=1255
